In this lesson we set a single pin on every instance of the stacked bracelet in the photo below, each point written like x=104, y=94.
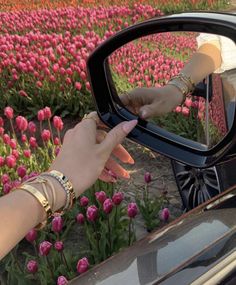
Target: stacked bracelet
x=66, y=185
x=183, y=82
x=41, y=199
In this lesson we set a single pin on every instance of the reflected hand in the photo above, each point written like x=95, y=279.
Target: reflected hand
x=151, y=102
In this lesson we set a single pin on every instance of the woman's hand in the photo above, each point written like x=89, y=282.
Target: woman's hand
x=151, y=102
x=85, y=153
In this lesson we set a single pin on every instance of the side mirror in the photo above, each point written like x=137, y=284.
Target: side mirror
x=147, y=54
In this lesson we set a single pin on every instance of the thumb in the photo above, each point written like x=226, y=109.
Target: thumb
x=116, y=135
x=148, y=111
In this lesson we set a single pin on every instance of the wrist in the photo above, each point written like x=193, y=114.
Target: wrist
x=177, y=96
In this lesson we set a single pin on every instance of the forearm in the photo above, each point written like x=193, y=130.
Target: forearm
x=20, y=212
x=205, y=61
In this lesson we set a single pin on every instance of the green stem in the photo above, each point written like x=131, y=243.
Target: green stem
x=49, y=266
x=14, y=257
x=50, y=128
x=65, y=261
x=109, y=233
x=13, y=130
x=97, y=238
x=130, y=222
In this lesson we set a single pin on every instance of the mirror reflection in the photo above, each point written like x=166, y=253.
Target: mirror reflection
x=168, y=79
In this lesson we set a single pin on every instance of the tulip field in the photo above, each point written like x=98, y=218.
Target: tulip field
x=44, y=46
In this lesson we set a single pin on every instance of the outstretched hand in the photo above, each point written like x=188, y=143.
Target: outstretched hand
x=151, y=102
x=85, y=153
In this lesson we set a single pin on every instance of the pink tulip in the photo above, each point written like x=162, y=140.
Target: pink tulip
x=23, y=138
x=84, y=201
x=6, y=139
x=5, y=178
x=47, y=113
x=11, y=161
x=101, y=196
x=27, y=153
x=57, y=224
x=46, y=135
x=31, y=236
x=22, y=93
x=147, y=177
x=9, y=113
x=41, y=115
x=33, y=142
x=61, y=280
x=1, y=131
x=80, y=218
x=32, y=266
x=7, y=187
x=32, y=127
x=58, y=123
x=13, y=143
x=59, y=246
x=21, y=123
x=21, y=171
x=132, y=210
x=44, y=248
x=117, y=198
x=56, y=141
x=92, y=213
x=15, y=153
x=165, y=214
x=185, y=111
x=82, y=265
x=78, y=86
x=107, y=206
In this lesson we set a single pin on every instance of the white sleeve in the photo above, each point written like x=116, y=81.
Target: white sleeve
x=227, y=48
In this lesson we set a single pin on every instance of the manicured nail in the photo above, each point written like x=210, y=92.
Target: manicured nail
x=144, y=114
x=130, y=160
x=128, y=126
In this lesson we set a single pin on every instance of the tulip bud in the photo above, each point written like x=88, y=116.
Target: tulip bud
x=57, y=224
x=147, y=177
x=185, y=111
x=41, y=115
x=32, y=266
x=47, y=113
x=22, y=93
x=165, y=214
x=31, y=236
x=78, y=86
x=15, y=153
x=107, y=206
x=117, y=198
x=21, y=123
x=6, y=139
x=80, y=218
x=13, y=143
x=84, y=201
x=1, y=131
x=57, y=150
x=59, y=246
x=101, y=196
x=61, y=280
x=11, y=161
x=92, y=213
x=44, y=248
x=7, y=187
x=46, y=135
x=32, y=127
x=23, y=138
x=82, y=265
x=33, y=142
x=56, y=141
x=5, y=178
x=21, y=171
x=58, y=123
x=132, y=210
x=27, y=153
x=9, y=113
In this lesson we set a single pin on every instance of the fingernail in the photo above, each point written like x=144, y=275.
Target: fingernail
x=144, y=114
x=128, y=126
x=130, y=160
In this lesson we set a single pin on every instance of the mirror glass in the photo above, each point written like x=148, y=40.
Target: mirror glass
x=150, y=62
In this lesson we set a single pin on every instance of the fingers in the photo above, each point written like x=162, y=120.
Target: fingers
x=122, y=154
x=117, y=169
x=115, y=136
x=148, y=111
x=106, y=177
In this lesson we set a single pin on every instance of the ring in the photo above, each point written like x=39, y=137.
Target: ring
x=86, y=116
